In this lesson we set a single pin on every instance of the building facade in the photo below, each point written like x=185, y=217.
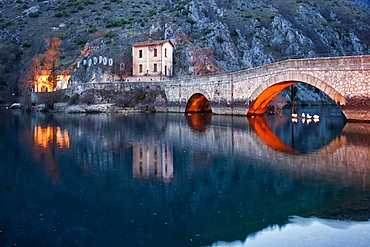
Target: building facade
x=152, y=58
x=42, y=84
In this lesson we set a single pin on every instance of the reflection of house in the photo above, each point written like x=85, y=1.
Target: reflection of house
x=47, y=139
x=152, y=57
x=43, y=85
x=152, y=161
x=45, y=136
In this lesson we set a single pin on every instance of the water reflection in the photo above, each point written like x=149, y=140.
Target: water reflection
x=308, y=232
x=264, y=132
x=306, y=135
x=152, y=160
x=44, y=136
x=152, y=180
x=199, y=121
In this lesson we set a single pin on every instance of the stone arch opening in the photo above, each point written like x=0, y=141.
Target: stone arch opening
x=198, y=103
x=264, y=94
x=261, y=103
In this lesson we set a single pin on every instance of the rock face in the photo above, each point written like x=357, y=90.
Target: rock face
x=210, y=36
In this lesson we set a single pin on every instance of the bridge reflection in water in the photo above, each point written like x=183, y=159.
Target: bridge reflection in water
x=296, y=136
x=309, y=146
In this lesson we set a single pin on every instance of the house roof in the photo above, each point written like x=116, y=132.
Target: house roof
x=152, y=42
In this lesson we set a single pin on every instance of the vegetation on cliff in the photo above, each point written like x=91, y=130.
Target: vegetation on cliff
x=209, y=35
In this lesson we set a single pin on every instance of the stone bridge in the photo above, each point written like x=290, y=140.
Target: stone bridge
x=346, y=80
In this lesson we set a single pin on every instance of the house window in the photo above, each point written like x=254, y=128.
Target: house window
x=155, y=52
x=155, y=68
x=140, y=53
x=165, y=52
x=140, y=68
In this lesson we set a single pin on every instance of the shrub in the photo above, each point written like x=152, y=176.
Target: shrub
x=58, y=14
x=87, y=98
x=185, y=12
x=123, y=101
x=219, y=39
x=49, y=99
x=110, y=34
x=207, y=31
x=92, y=30
x=165, y=8
x=26, y=44
x=86, y=2
x=152, y=12
x=34, y=14
x=73, y=100
x=6, y=24
x=79, y=41
x=191, y=21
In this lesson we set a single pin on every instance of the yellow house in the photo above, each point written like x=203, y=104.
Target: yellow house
x=42, y=84
x=152, y=58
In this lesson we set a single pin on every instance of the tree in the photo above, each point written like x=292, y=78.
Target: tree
x=277, y=104
x=49, y=99
x=122, y=66
x=46, y=63
x=204, y=62
x=10, y=65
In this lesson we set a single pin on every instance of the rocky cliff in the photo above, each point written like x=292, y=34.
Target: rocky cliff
x=210, y=36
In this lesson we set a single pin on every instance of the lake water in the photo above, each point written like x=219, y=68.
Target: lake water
x=176, y=180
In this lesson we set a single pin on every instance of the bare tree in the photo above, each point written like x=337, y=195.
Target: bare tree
x=122, y=65
x=277, y=104
x=47, y=62
x=49, y=99
x=204, y=61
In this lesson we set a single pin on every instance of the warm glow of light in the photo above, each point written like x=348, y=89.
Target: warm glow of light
x=198, y=103
x=264, y=132
x=42, y=84
x=46, y=140
x=260, y=104
x=43, y=137
x=199, y=121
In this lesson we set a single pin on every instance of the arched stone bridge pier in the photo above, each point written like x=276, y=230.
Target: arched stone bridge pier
x=346, y=80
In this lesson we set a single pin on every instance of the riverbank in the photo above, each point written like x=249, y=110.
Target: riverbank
x=102, y=108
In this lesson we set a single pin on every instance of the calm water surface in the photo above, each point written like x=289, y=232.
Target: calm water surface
x=175, y=180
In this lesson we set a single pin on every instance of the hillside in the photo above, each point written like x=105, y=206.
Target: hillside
x=227, y=34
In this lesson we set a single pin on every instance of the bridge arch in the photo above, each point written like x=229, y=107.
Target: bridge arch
x=263, y=95
x=198, y=102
